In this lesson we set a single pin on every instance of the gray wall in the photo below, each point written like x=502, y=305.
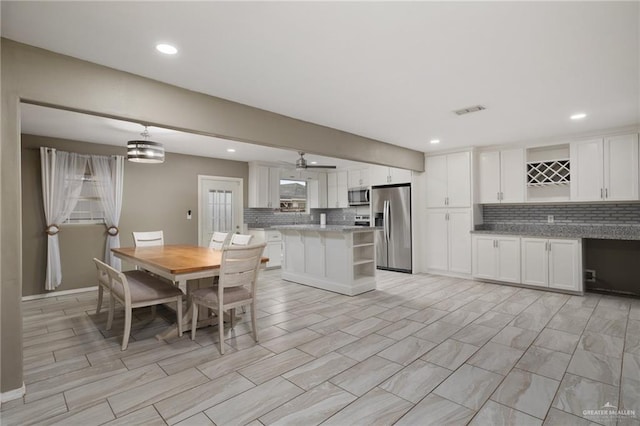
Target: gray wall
x=155, y=196
x=39, y=76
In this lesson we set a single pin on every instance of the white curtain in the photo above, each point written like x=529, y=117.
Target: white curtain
x=62, y=174
x=108, y=174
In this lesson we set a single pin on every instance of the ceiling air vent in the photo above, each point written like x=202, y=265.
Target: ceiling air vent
x=467, y=110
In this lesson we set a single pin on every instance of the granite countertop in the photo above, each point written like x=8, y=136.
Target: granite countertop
x=600, y=232
x=322, y=228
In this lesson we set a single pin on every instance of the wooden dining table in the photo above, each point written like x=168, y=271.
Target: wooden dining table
x=178, y=264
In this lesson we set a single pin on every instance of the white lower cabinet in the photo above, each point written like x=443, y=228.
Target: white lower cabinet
x=540, y=262
x=496, y=257
x=449, y=240
x=552, y=263
x=273, y=250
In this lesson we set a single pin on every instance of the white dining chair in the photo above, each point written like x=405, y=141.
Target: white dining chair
x=147, y=239
x=137, y=289
x=218, y=240
x=240, y=239
x=236, y=287
x=103, y=284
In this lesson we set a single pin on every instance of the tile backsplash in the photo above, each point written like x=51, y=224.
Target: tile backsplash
x=565, y=214
x=259, y=218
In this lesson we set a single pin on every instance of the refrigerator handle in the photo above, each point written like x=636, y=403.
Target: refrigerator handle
x=366, y=195
x=387, y=213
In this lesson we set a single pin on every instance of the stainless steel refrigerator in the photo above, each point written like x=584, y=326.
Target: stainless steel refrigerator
x=391, y=209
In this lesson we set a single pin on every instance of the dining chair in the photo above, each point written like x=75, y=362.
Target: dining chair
x=146, y=239
x=137, y=289
x=236, y=287
x=103, y=284
x=240, y=239
x=218, y=240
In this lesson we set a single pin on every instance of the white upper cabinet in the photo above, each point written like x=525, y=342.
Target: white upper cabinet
x=448, y=179
x=264, y=186
x=358, y=178
x=502, y=176
x=621, y=167
x=605, y=170
x=337, y=190
x=317, y=191
x=382, y=175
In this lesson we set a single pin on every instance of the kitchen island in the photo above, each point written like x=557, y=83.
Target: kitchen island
x=331, y=257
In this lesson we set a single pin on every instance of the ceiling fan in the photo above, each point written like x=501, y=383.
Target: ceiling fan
x=301, y=164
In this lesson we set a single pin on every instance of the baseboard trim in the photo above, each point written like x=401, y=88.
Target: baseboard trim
x=13, y=394
x=59, y=293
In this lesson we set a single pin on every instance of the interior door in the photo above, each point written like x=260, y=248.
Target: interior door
x=219, y=206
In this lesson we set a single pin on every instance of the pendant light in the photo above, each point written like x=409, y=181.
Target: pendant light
x=145, y=151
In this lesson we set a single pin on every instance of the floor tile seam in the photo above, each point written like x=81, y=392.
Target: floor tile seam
x=515, y=409
x=56, y=375
x=300, y=394
x=619, y=386
x=624, y=346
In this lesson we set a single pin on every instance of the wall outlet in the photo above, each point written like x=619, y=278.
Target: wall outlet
x=550, y=218
x=344, y=217
x=312, y=219
x=590, y=275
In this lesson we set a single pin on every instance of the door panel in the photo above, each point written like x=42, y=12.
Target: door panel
x=564, y=265
x=436, y=180
x=621, y=167
x=400, y=228
x=489, y=169
x=436, y=247
x=459, y=180
x=512, y=175
x=586, y=170
x=535, y=262
x=508, y=253
x=459, y=226
x=484, y=257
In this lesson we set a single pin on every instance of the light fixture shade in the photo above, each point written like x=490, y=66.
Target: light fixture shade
x=143, y=151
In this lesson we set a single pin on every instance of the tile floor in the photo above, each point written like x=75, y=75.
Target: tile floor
x=420, y=350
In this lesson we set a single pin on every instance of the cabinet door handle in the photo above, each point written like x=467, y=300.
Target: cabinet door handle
x=498, y=194
x=601, y=193
x=606, y=193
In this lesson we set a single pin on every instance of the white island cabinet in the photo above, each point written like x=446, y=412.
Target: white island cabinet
x=331, y=257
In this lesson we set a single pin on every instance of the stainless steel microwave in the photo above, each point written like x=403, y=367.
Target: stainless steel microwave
x=358, y=196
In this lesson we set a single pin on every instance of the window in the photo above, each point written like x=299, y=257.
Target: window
x=293, y=195
x=89, y=208
x=220, y=210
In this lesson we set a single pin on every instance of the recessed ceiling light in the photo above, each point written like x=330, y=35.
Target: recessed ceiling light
x=434, y=141
x=231, y=150
x=578, y=116
x=167, y=49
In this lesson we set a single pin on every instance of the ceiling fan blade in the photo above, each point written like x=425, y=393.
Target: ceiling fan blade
x=317, y=166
